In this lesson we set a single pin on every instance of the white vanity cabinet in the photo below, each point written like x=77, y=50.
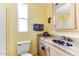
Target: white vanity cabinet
x=51, y=49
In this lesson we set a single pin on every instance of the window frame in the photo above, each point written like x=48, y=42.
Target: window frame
x=22, y=4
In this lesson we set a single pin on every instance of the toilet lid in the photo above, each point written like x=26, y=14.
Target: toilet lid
x=27, y=54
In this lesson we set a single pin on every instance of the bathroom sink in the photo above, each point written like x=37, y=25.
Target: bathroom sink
x=62, y=42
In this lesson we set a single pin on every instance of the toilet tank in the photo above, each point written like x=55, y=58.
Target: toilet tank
x=23, y=47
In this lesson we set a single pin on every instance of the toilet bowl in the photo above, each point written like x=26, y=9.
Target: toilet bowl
x=23, y=48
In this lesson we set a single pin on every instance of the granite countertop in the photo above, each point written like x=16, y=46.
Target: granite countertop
x=74, y=50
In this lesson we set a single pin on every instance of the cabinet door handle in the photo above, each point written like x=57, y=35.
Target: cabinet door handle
x=43, y=48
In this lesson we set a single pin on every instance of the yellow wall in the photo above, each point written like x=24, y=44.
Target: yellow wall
x=49, y=13
x=38, y=13
x=12, y=35
x=11, y=27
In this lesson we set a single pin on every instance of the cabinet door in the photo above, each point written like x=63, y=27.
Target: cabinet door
x=58, y=52
x=47, y=48
x=65, y=18
x=42, y=49
x=53, y=51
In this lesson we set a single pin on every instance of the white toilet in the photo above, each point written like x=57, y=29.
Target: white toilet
x=23, y=48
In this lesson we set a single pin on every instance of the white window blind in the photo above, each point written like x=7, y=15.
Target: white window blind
x=22, y=17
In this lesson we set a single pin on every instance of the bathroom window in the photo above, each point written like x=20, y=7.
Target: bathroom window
x=22, y=17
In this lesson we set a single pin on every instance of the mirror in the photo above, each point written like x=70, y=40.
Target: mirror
x=65, y=16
